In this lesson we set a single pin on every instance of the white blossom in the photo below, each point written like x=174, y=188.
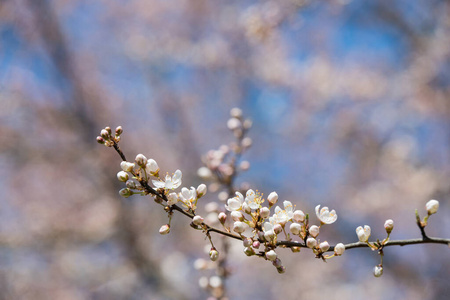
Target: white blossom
x=282, y=216
x=170, y=183
x=269, y=233
x=253, y=200
x=188, y=197
x=235, y=203
x=325, y=216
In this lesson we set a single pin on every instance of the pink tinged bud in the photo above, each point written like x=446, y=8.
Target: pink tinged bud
x=264, y=212
x=314, y=231
x=119, y=130
x=432, y=206
x=295, y=228
x=239, y=227
x=249, y=251
x=324, y=246
x=256, y=244
x=172, y=199
x=247, y=242
x=299, y=216
x=104, y=133
x=122, y=176
x=339, y=249
x=311, y=243
x=201, y=190
x=127, y=166
x=222, y=218
x=125, y=192
x=237, y=216
x=152, y=167
x=377, y=271
x=100, y=140
x=389, y=225
x=197, y=220
x=363, y=233
x=271, y=255
x=141, y=160
x=213, y=254
x=272, y=198
x=277, y=228
x=165, y=229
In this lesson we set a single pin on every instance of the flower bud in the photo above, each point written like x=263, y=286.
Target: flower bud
x=239, y=227
x=105, y=135
x=363, y=233
x=295, y=228
x=281, y=269
x=377, y=271
x=314, y=230
x=236, y=112
x=264, y=212
x=234, y=123
x=277, y=263
x=269, y=235
x=246, y=208
x=165, y=229
x=119, y=130
x=127, y=166
x=122, y=176
x=324, y=246
x=311, y=242
x=277, y=228
x=246, y=142
x=256, y=244
x=125, y=192
x=222, y=217
x=247, y=242
x=130, y=184
x=100, y=140
x=237, y=216
x=108, y=129
x=271, y=255
x=272, y=198
x=172, y=199
x=201, y=190
x=339, y=249
x=141, y=160
x=432, y=206
x=249, y=251
x=197, y=220
x=204, y=173
x=389, y=225
x=299, y=216
x=152, y=167
x=213, y=254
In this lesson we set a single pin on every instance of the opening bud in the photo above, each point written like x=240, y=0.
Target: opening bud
x=311, y=243
x=377, y=271
x=239, y=227
x=363, y=233
x=249, y=251
x=324, y=246
x=272, y=198
x=127, y=166
x=119, y=130
x=277, y=228
x=222, y=218
x=389, y=225
x=152, y=167
x=141, y=160
x=339, y=249
x=299, y=216
x=125, y=192
x=295, y=228
x=104, y=134
x=247, y=242
x=201, y=190
x=264, y=212
x=432, y=206
x=237, y=216
x=172, y=199
x=122, y=176
x=197, y=220
x=271, y=255
x=314, y=230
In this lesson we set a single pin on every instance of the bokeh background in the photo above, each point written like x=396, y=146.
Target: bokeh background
x=350, y=102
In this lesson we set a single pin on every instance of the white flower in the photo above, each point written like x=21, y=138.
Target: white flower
x=269, y=234
x=170, y=183
x=295, y=228
x=172, y=199
x=314, y=231
x=271, y=255
x=432, y=206
x=283, y=216
x=325, y=216
x=235, y=203
x=188, y=197
x=389, y=225
x=253, y=200
x=339, y=249
x=299, y=216
x=363, y=233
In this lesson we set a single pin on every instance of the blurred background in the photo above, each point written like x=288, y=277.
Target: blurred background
x=350, y=102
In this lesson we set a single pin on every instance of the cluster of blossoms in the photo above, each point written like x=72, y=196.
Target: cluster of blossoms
x=249, y=215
